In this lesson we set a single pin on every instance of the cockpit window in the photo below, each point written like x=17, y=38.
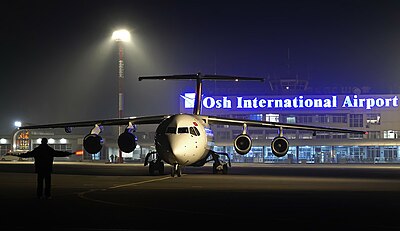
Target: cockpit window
x=194, y=131
x=183, y=130
x=171, y=130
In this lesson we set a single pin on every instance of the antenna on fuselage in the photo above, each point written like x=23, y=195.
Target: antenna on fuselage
x=199, y=84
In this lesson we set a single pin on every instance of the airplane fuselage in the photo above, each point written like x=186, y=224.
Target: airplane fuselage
x=183, y=139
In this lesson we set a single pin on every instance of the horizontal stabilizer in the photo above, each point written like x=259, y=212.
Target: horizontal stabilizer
x=199, y=76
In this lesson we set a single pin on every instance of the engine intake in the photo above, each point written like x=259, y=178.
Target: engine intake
x=93, y=143
x=127, y=142
x=242, y=144
x=279, y=146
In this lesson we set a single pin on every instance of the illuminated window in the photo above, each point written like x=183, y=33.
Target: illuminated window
x=390, y=134
x=272, y=117
x=256, y=117
x=23, y=141
x=291, y=119
x=374, y=118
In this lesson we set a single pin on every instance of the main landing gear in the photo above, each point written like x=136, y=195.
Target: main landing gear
x=155, y=165
x=220, y=166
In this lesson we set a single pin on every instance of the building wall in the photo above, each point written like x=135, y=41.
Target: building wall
x=377, y=114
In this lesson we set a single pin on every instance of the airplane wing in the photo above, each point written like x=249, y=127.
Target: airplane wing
x=265, y=124
x=107, y=122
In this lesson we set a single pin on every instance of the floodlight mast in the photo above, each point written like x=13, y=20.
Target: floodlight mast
x=121, y=36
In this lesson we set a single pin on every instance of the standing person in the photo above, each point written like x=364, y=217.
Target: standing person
x=44, y=156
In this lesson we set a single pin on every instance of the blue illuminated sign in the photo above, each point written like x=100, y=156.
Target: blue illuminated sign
x=294, y=102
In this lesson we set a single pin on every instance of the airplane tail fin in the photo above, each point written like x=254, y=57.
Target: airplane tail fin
x=199, y=79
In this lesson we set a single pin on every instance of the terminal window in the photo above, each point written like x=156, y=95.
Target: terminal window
x=322, y=118
x=339, y=118
x=356, y=120
x=390, y=134
x=374, y=118
x=305, y=119
x=272, y=117
x=374, y=134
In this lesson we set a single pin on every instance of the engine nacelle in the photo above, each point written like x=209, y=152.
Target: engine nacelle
x=279, y=146
x=242, y=144
x=127, y=142
x=93, y=143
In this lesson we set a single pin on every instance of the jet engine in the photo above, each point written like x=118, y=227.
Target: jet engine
x=93, y=143
x=279, y=146
x=242, y=144
x=127, y=141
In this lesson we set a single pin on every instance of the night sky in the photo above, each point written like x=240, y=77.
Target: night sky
x=58, y=62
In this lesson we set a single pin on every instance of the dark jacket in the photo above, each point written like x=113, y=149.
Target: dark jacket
x=44, y=156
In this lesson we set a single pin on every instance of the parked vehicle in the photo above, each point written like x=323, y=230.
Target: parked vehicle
x=9, y=157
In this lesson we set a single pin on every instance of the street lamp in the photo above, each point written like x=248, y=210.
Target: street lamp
x=121, y=36
x=17, y=124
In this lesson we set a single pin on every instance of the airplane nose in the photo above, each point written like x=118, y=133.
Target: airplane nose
x=179, y=149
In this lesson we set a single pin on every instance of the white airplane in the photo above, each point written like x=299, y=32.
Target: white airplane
x=186, y=139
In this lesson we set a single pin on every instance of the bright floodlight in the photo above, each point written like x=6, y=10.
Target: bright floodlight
x=17, y=123
x=121, y=35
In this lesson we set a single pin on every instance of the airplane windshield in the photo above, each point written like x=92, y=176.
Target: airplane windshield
x=194, y=131
x=171, y=130
x=183, y=130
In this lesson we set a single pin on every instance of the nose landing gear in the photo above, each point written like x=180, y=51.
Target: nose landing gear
x=176, y=170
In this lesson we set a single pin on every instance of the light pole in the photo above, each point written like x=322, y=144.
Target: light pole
x=17, y=124
x=121, y=36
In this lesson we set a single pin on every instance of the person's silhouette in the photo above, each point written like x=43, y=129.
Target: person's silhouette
x=44, y=156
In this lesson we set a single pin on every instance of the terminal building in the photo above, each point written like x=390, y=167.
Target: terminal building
x=288, y=100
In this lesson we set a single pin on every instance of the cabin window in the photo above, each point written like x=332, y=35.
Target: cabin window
x=183, y=130
x=171, y=130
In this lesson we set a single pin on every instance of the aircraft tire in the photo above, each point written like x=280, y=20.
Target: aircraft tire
x=161, y=168
x=214, y=168
x=151, y=168
x=225, y=169
x=178, y=171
